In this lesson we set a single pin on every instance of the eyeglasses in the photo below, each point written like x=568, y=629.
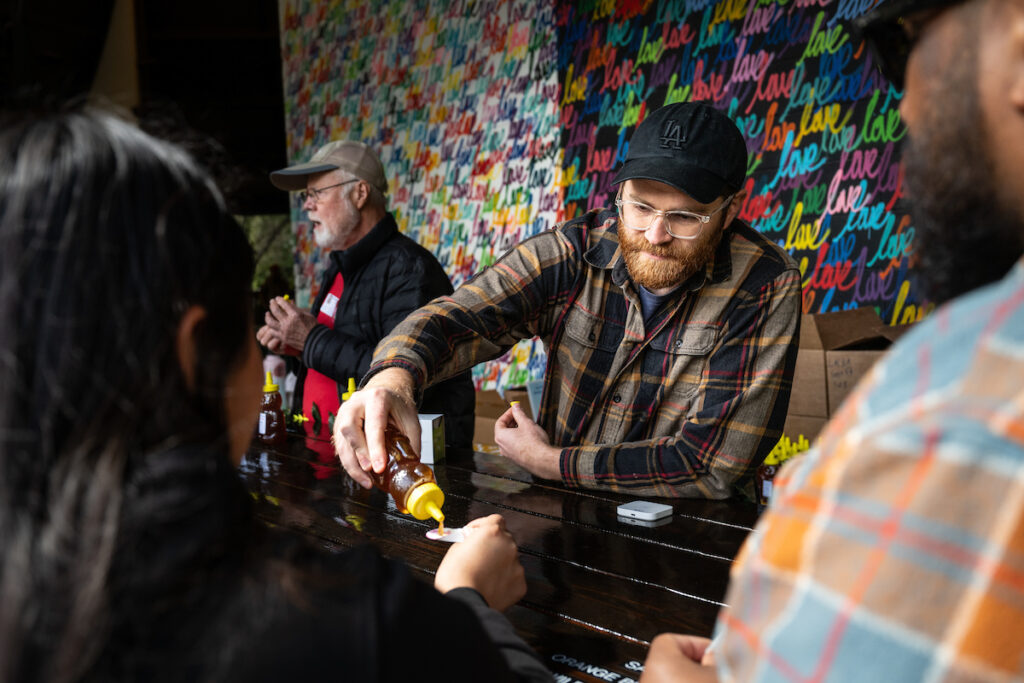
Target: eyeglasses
x=683, y=225
x=892, y=32
x=314, y=192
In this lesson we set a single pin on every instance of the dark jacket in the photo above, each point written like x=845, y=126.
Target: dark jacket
x=375, y=622
x=387, y=276
x=201, y=590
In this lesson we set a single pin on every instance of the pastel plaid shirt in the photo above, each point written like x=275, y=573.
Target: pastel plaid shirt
x=688, y=405
x=894, y=551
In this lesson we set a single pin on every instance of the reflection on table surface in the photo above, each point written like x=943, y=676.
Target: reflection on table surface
x=599, y=588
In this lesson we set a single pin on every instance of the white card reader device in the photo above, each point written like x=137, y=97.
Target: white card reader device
x=645, y=510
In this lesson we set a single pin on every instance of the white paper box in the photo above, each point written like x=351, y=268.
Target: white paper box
x=431, y=438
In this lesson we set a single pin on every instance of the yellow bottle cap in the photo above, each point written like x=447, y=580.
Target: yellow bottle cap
x=425, y=501
x=269, y=386
x=351, y=389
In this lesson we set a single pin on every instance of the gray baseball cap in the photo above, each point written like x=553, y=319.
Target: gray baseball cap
x=355, y=157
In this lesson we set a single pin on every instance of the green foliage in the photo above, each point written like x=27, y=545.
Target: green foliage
x=273, y=243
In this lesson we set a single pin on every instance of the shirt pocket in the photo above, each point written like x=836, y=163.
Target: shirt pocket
x=592, y=332
x=687, y=360
x=589, y=347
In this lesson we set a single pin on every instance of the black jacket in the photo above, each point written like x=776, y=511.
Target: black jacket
x=200, y=590
x=374, y=622
x=387, y=276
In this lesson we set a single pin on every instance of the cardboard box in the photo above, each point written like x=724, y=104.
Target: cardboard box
x=520, y=395
x=431, y=437
x=836, y=350
x=483, y=435
x=489, y=406
x=800, y=425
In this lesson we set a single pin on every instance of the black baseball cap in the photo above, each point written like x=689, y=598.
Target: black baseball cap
x=691, y=146
x=882, y=30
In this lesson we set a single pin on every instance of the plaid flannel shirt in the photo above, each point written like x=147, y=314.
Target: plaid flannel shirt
x=688, y=405
x=894, y=551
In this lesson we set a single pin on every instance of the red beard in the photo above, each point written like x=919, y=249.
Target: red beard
x=680, y=258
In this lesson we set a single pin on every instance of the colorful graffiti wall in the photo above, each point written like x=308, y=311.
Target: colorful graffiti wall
x=460, y=99
x=822, y=127
x=496, y=119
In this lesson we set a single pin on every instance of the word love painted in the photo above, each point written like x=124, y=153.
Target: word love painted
x=461, y=101
x=822, y=127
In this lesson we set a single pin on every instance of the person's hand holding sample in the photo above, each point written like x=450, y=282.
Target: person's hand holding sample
x=522, y=441
x=486, y=561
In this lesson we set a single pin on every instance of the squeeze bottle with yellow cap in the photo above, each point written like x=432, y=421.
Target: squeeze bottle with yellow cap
x=409, y=481
x=351, y=389
x=271, y=427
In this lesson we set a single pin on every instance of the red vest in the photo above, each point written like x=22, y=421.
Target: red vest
x=319, y=389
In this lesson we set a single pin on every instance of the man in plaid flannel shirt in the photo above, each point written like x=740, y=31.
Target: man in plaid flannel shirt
x=894, y=550
x=670, y=325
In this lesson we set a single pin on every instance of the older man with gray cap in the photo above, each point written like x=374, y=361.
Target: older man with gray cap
x=670, y=328
x=375, y=277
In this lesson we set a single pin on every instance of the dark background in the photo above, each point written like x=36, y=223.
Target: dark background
x=209, y=78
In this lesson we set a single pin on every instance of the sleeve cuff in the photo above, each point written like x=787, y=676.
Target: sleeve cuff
x=417, y=375
x=468, y=595
x=311, y=342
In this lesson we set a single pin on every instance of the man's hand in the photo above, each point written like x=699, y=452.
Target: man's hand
x=272, y=339
x=522, y=441
x=487, y=561
x=674, y=657
x=361, y=420
x=287, y=327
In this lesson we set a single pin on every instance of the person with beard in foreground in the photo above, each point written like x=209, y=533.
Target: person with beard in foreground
x=670, y=328
x=894, y=551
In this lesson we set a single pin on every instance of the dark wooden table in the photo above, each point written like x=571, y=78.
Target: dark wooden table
x=599, y=588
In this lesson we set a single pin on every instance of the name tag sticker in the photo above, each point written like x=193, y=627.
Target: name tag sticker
x=330, y=305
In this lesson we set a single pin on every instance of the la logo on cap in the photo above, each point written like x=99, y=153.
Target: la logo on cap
x=672, y=135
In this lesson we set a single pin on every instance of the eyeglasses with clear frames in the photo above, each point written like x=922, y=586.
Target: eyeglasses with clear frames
x=314, y=192
x=683, y=225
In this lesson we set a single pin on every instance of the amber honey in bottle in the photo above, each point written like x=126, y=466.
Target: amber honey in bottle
x=766, y=475
x=410, y=482
x=271, y=427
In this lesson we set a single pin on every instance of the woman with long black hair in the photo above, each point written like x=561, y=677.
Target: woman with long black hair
x=129, y=389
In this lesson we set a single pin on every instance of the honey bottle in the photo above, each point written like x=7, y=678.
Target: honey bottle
x=409, y=481
x=271, y=427
x=766, y=475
